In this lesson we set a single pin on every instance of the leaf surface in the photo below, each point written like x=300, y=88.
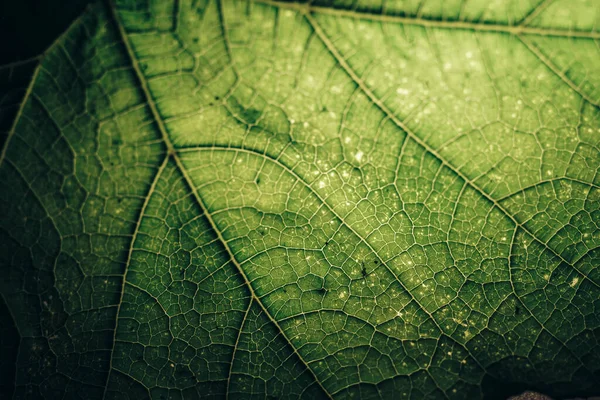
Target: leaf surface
x=274, y=199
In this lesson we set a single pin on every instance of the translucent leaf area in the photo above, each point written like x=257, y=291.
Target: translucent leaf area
x=246, y=199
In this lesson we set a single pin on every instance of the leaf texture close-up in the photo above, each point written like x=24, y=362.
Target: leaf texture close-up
x=363, y=199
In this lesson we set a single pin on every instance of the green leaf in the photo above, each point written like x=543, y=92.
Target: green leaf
x=253, y=199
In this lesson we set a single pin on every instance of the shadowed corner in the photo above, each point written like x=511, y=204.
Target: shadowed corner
x=9, y=347
x=32, y=25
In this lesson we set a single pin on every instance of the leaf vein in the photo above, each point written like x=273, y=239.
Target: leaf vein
x=358, y=81
x=128, y=263
x=371, y=249
x=555, y=70
x=307, y=8
x=172, y=153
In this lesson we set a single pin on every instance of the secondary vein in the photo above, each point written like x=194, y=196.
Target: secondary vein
x=400, y=124
x=306, y=8
x=172, y=153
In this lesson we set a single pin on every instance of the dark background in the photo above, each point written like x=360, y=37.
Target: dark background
x=28, y=27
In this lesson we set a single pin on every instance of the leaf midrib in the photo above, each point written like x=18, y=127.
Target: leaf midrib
x=289, y=170
x=423, y=144
x=173, y=153
x=522, y=28
x=410, y=134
